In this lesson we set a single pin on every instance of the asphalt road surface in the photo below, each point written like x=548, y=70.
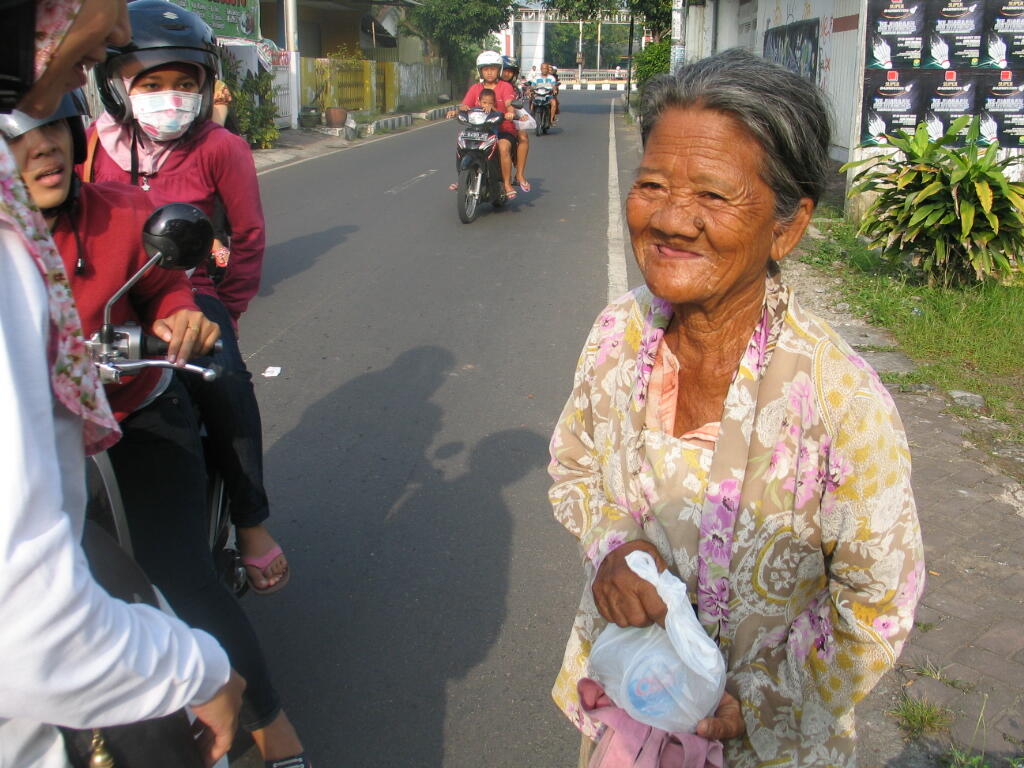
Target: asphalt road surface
x=423, y=364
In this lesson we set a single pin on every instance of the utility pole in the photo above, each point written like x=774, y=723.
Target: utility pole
x=579, y=57
x=291, y=44
x=629, y=66
x=678, y=53
x=599, y=42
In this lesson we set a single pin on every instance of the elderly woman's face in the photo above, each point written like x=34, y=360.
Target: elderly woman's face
x=700, y=217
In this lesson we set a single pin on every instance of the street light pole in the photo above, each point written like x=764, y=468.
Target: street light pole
x=678, y=53
x=579, y=57
x=291, y=44
x=629, y=64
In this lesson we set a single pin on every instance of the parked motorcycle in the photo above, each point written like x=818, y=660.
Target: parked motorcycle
x=478, y=163
x=542, y=96
x=176, y=236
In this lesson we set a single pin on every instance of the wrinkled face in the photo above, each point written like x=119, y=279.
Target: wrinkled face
x=169, y=77
x=487, y=102
x=489, y=73
x=98, y=24
x=701, y=219
x=44, y=158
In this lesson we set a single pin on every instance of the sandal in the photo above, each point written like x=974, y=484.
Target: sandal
x=525, y=186
x=453, y=187
x=511, y=194
x=297, y=761
x=260, y=564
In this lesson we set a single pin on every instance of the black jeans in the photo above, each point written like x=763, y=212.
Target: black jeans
x=231, y=416
x=162, y=477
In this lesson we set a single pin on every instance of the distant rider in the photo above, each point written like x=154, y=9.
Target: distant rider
x=548, y=79
x=510, y=74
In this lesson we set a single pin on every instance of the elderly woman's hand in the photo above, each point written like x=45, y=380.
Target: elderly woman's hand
x=624, y=598
x=727, y=722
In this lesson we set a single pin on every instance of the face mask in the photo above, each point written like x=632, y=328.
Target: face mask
x=165, y=115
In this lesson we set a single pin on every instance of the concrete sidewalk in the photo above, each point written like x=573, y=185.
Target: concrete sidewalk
x=966, y=654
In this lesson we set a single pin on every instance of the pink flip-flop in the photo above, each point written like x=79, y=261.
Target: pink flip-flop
x=260, y=564
x=525, y=186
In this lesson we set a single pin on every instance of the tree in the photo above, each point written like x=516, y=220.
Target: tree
x=655, y=14
x=460, y=28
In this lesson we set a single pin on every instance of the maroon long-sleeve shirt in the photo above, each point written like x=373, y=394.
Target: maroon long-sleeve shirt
x=109, y=220
x=211, y=163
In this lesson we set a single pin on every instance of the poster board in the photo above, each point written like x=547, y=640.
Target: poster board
x=228, y=18
x=932, y=61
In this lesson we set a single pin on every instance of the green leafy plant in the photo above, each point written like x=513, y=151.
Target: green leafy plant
x=951, y=211
x=917, y=717
x=652, y=60
x=253, y=104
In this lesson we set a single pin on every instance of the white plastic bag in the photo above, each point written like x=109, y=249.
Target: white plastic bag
x=669, y=678
x=524, y=120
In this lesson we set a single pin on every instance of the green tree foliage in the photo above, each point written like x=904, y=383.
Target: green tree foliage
x=652, y=60
x=656, y=15
x=562, y=40
x=460, y=28
x=951, y=212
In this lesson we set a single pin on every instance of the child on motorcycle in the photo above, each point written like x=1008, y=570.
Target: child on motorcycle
x=489, y=64
x=159, y=460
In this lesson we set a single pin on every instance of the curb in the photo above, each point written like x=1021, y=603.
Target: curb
x=594, y=87
x=436, y=113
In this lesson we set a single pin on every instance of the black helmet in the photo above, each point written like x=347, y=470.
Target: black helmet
x=162, y=33
x=72, y=107
x=512, y=63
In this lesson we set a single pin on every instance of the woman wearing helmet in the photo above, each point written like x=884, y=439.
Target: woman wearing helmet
x=510, y=74
x=72, y=654
x=156, y=135
x=488, y=64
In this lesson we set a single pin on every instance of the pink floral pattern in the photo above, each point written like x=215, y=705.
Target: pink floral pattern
x=53, y=19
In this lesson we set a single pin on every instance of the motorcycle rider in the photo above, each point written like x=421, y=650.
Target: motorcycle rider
x=510, y=74
x=489, y=64
x=72, y=654
x=548, y=79
x=156, y=135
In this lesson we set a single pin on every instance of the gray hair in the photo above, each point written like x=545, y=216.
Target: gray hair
x=786, y=114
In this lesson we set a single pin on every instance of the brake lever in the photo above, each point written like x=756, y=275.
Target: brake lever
x=113, y=371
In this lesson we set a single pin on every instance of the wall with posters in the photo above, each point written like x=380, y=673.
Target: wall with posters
x=933, y=61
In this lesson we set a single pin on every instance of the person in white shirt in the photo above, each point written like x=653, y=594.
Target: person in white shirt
x=72, y=654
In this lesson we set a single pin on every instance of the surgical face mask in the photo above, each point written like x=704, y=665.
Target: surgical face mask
x=165, y=115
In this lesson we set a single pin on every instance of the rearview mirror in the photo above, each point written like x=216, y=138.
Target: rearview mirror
x=180, y=233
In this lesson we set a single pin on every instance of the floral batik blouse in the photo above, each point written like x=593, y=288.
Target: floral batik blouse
x=796, y=533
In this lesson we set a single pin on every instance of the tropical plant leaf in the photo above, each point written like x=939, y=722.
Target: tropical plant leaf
x=966, y=217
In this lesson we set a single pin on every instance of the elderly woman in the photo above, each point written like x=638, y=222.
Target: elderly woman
x=719, y=426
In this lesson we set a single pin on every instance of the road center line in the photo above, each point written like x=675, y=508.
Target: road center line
x=406, y=184
x=617, y=284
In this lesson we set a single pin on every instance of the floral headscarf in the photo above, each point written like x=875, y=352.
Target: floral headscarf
x=72, y=375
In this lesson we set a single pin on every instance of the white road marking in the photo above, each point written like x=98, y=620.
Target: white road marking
x=617, y=284
x=406, y=184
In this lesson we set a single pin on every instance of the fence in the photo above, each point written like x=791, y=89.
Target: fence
x=373, y=86
x=282, y=96
x=567, y=75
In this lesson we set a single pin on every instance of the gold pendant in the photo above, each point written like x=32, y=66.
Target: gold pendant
x=99, y=757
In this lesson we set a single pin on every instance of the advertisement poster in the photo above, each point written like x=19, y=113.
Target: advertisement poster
x=794, y=46
x=896, y=33
x=1004, y=38
x=1001, y=104
x=229, y=18
x=949, y=95
x=893, y=101
x=955, y=35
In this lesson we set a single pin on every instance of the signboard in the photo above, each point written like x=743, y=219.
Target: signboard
x=229, y=18
x=933, y=61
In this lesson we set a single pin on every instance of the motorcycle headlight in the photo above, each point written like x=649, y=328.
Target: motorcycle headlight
x=477, y=118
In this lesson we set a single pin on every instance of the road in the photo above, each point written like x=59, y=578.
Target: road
x=423, y=364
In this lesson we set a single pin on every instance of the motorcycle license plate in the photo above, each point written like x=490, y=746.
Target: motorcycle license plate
x=476, y=135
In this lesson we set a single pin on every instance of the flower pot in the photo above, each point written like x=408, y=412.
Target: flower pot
x=336, y=117
x=309, y=117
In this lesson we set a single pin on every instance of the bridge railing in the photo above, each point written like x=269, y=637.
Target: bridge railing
x=567, y=75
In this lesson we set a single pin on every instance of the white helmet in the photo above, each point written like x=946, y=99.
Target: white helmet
x=489, y=59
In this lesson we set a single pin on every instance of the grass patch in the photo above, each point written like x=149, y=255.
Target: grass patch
x=925, y=626
x=917, y=717
x=969, y=339
x=935, y=672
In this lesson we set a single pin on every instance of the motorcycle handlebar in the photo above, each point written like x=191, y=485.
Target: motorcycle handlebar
x=154, y=346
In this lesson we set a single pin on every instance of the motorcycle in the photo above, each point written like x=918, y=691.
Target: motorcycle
x=542, y=96
x=478, y=163
x=176, y=236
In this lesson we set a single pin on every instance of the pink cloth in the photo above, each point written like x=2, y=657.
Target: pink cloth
x=629, y=744
x=663, y=396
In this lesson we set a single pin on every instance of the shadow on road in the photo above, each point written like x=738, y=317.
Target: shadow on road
x=401, y=575
x=294, y=256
